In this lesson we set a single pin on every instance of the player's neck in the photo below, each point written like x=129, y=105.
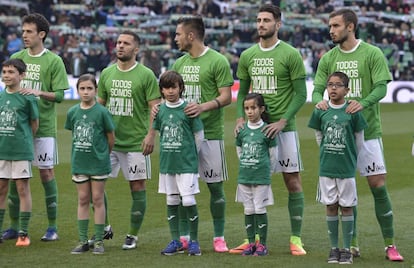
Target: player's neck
x=268, y=42
x=126, y=65
x=349, y=44
x=197, y=50
x=87, y=104
x=36, y=50
x=12, y=89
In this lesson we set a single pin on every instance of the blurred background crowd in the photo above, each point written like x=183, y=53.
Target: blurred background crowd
x=84, y=32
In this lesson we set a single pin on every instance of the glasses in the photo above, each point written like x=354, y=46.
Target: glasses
x=335, y=85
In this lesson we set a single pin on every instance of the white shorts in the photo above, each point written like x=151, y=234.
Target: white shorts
x=80, y=178
x=182, y=184
x=11, y=169
x=260, y=196
x=212, y=165
x=342, y=191
x=288, y=153
x=134, y=165
x=45, y=152
x=371, y=158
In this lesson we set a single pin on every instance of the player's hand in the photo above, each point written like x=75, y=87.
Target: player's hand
x=147, y=145
x=29, y=91
x=155, y=109
x=322, y=105
x=353, y=107
x=239, y=126
x=271, y=130
x=193, y=109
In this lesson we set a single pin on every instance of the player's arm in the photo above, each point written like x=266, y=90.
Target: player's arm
x=244, y=88
x=359, y=139
x=199, y=138
x=34, y=124
x=110, y=136
x=379, y=91
x=223, y=99
x=56, y=96
x=148, y=142
x=299, y=87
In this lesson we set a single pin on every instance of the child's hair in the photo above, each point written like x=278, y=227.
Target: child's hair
x=87, y=77
x=171, y=79
x=260, y=102
x=342, y=76
x=17, y=63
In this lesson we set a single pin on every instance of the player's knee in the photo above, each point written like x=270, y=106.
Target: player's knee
x=173, y=200
x=188, y=200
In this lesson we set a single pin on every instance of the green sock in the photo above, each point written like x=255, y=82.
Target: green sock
x=217, y=207
x=333, y=225
x=261, y=227
x=14, y=206
x=83, y=230
x=183, y=221
x=250, y=226
x=347, y=226
x=354, y=241
x=99, y=231
x=139, y=205
x=383, y=211
x=51, y=195
x=106, y=209
x=24, y=219
x=173, y=219
x=295, y=207
x=2, y=212
x=192, y=213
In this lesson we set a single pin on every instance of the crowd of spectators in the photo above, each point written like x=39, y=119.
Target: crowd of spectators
x=84, y=34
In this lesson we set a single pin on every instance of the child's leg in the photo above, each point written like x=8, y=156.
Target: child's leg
x=173, y=218
x=84, y=197
x=25, y=196
x=261, y=227
x=347, y=221
x=190, y=205
x=333, y=222
x=98, y=192
x=4, y=187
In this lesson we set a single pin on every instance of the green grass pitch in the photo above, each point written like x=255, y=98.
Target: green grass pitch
x=154, y=234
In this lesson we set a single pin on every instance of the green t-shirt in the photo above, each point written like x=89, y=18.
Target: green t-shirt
x=203, y=76
x=365, y=66
x=178, y=151
x=46, y=73
x=16, y=113
x=338, y=152
x=90, y=150
x=272, y=72
x=254, y=167
x=127, y=94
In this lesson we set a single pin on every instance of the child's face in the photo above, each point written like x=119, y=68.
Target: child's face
x=87, y=91
x=11, y=76
x=171, y=94
x=253, y=111
x=336, y=90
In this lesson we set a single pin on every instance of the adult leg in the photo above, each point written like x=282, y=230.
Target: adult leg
x=47, y=177
x=296, y=205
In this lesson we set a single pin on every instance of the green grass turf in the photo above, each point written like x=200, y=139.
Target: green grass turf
x=154, y=234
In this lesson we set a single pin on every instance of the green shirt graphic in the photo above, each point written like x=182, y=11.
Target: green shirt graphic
x=90, y=150
x=338, y=152
x=127, y=94
x=16, y=113
x=271, y=72
x=203, y=76
x=365, y=66
x=45, y=72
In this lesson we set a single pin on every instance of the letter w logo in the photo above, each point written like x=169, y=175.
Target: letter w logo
x=42, y=158
x=133, y=170
x=283, y=163
x=369, y=169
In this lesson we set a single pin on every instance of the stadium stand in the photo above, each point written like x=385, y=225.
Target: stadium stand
x=83, y=32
